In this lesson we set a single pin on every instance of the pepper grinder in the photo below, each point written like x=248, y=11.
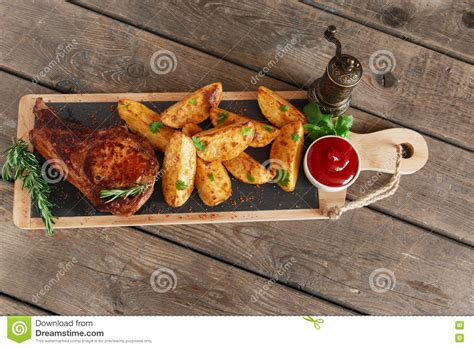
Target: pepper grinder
x=332, y=91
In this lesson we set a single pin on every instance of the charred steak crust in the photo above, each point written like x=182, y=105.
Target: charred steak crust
x=93, y=160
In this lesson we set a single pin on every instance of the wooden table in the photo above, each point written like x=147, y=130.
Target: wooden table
x=423, y=235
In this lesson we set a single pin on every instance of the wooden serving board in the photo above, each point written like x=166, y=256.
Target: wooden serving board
x=248, y=202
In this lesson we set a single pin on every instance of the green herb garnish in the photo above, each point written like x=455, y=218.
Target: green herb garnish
x=295, y=137
x=283, y=177
x=198, y=144
x=268, y=128
x=284, y=108
x=181, y=185
x=211, y=176
x=192, y=101
x=222, y=117
x=246, y=131
x=154, y=126
x=343, y=125
x=124, y=193
x=323, y=124
x=250, y=178
x=23, y=164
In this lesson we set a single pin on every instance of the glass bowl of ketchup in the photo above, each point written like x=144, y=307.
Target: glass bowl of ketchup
x=332, y=163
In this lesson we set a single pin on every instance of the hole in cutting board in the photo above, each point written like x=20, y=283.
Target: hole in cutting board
x=407, y=150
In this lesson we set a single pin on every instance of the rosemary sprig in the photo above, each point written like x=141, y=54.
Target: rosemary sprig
x=123, y=193
x=22, y=164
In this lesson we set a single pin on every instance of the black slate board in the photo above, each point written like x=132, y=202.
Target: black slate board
x=71, y=202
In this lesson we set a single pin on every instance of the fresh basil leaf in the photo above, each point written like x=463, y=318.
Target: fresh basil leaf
x=154, y=126
x=318, y=132
x=284, y=108
x=211, y=176
x=344, y=134
x=314, y=114
x=192, y=101
x=343, y=124
x=310, y=127
x=326, y=121
x=198, y=144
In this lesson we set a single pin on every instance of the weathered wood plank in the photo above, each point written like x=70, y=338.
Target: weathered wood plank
x=9, y=306
x=431, y=274
x=423, y=88
x=73, y=50
x=12, y=89
x=439, y=197
x=442, y=25
x=111, y=271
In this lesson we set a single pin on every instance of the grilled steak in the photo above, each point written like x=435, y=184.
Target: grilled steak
x=94, y=160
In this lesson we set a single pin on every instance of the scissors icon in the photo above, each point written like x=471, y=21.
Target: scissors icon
x=316, y=322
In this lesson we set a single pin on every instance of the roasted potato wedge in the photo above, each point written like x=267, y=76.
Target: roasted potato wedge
x=224, y=143
x=179, y=168
x=264, y=133
x=285, y=155
x=212, y=181
x=246, y=169
x=146, y=122
x=190, y=129
x=194, y=108
x=277, y=109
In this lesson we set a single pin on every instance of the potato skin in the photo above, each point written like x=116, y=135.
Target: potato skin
x=179, y=164
x=270, y=104
x=190, y=129
x=212, y=182
x=286, y=153
x=225, y=143
x=139, y=118
x=264, y=133
x=194, y=108
x=246, y=169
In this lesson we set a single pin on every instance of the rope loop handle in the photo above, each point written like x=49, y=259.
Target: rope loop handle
x=385, y=191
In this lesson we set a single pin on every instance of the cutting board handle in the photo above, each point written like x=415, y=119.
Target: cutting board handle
x=378, y=150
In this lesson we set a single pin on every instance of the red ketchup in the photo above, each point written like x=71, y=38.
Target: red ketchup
x=333, y=161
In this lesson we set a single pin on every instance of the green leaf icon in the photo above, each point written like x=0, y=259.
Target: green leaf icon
x=316, y=321
x=19, y=328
